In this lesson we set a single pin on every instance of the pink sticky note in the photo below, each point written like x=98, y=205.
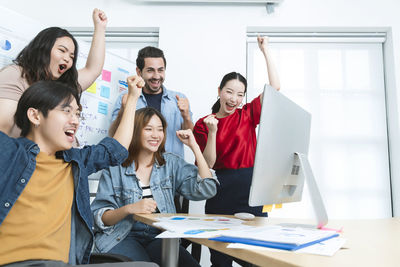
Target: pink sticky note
x=106, y=75
x=331, y=229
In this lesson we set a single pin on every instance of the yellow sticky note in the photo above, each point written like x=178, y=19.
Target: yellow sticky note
x=267, y=208
x=278, y=206
x=92, y=89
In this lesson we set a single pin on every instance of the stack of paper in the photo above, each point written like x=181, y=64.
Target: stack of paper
x=197, y=227
x=275, y=236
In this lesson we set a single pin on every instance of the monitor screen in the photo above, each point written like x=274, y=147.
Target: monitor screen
x=283, y=131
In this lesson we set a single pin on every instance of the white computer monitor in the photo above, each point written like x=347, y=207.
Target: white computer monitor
x=281, y=165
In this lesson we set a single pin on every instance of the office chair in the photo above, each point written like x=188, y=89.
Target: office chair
x=107, y=258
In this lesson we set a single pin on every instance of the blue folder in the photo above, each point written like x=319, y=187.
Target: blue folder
x=285, y=246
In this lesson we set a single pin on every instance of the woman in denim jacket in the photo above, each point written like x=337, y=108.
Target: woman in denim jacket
x=145, y=183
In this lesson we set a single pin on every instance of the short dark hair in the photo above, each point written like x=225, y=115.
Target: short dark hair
x=142, y=118
x=149, y=51
x=34, y=59
x=44, y=96
x=230, y=76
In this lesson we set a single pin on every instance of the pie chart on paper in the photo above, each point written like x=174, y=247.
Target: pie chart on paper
x=5, y=45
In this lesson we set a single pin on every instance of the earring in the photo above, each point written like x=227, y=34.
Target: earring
x=37, y=125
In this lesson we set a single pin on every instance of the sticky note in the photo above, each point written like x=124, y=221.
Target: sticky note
x=193, y=232
x=178, y=218
x=102, y=108
x=278, y=206
x=122, y=70
x=105, y=91
x=124, y=83
x=92, y=89
x=106, y=75
x=267, y=208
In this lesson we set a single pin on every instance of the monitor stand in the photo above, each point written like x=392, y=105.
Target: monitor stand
x=316, y=199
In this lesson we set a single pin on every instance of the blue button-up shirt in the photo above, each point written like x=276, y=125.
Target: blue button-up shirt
x=119, y=186
x=18, y=162
x=171, y=113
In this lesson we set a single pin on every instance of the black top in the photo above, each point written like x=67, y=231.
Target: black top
x=153, y=100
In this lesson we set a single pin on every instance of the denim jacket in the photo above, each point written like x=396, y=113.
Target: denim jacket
x=18, y=162
x=119, y=186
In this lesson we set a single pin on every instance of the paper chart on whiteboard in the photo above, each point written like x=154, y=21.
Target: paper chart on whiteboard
x=99, y=99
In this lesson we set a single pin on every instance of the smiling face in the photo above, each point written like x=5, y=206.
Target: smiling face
x=231, y=96
x=57, y=130
x=153, y=73
x=61, y=56
x=152, y=135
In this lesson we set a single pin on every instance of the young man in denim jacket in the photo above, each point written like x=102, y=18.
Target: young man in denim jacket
x=45, y=212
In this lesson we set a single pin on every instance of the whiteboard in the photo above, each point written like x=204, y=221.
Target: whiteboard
x=97, y=102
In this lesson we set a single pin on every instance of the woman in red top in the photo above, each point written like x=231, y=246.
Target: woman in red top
x=227, y=138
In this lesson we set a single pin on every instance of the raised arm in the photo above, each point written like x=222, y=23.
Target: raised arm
x=186, y=137
x=95, y=60
x=210, y=151
x=118, y=108
x=183, y=105
x=124, y=131
x=272, y=73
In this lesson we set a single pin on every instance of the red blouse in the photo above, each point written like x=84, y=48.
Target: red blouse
x=236, y=137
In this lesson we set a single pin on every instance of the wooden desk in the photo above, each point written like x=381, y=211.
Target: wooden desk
x=374, y=242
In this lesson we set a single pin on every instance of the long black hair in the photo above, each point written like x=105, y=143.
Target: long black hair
x=230, y=76
x=34, y=59
x=43, y=96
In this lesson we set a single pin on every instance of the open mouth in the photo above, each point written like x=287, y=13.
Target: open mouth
x=155, y=82
x=230, y=106
x=70, y=135
x=62, y=68
x=154, y=142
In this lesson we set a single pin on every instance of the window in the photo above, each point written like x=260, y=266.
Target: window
x=124, y=42
x=339, y=79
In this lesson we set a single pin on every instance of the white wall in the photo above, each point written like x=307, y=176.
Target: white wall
x=203, y=42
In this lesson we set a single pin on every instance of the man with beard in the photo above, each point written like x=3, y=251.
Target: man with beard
x=150, y=65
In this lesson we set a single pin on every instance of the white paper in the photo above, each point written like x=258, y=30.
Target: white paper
x=198, y=227
x=325, y=248
x=281, y=234
x=252, y=247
